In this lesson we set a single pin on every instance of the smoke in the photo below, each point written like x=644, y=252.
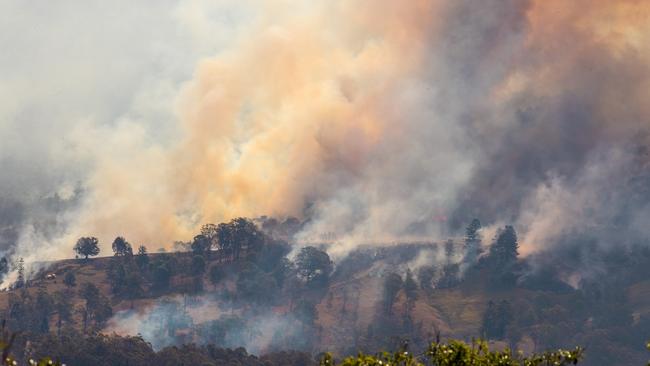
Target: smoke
x=173, y=321
x=375, y=120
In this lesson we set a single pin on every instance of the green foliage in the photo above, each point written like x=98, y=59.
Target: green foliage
x=7, y=340
x=457, y=353
x=87, y=247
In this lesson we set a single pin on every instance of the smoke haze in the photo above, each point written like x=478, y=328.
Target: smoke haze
x=375, y=120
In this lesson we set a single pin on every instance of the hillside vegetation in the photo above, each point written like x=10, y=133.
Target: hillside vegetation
x=234, y=286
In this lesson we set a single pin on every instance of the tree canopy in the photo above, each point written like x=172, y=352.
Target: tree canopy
x=87, y=247
x=121, y=247
x=458, y=353
x=314, y=265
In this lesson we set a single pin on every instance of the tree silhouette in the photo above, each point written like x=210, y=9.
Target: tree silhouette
x=20, y=282
x=87, y=247
x=410, y=286
x=142, y=259
x=198, y=265
x=506, y=248
x=392, y=285
x=201, y=245
x=313, y=265
x=472, y=241
x=69, y=279
x=4, y=267
x=121, y=247
x=216, y=274
x=63, y=307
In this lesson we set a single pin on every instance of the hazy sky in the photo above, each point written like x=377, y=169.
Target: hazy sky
x=379, y=120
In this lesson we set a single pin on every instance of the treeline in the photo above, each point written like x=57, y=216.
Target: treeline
x=78, y=349
x=247, y=269
x=528, y=299
x=237, y=253
x=72, y=347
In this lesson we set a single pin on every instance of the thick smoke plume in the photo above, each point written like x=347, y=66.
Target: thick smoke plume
x=377, y=121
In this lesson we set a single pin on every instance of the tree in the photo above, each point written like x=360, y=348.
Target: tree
x=472, y=241
x=87, y=247
x=63, y=307
x=504, y=251
x=20, y=282
x=210, y=231
x=200, y=245
x=392, y=285
x=246, y=236
x=254, y=284
x=142, y=259
x=410, y=286
x=238, y=235
x=198, y=265
x=449, y=250
x=216, y=274
x=43, y=309
x=458, y=353
x=496, y=320
x=69, y=279
x=90, y=293
x=97, y=307
x=121, y=247
x=450, y=276
x=133, y=286
x=4, y=267
x=161, y=276
x=224, y=238
x=314, y=266
x=426, y=275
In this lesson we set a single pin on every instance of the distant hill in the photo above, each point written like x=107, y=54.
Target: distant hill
x=347, y=310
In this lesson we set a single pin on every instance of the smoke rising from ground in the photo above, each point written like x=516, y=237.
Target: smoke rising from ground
x=171, y=321
x=376, y=120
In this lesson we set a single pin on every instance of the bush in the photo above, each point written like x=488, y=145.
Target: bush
x=457, y=353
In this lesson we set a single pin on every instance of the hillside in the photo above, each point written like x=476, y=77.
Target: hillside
x=347, y=312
